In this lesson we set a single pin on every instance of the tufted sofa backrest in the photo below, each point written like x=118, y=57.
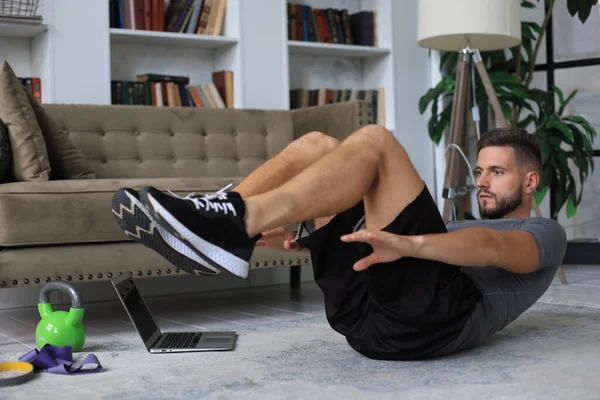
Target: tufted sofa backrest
x=122, y=141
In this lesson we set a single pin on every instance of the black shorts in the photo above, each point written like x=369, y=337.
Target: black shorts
x=403, y=310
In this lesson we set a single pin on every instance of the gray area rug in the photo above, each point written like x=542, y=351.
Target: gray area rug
x=550, y=352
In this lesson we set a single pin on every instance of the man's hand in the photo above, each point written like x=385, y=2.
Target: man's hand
x=280, y=239
x=512, y=250
x=387, y=247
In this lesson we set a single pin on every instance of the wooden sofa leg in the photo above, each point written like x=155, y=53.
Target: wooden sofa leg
x=295, y=276
x=561, y=275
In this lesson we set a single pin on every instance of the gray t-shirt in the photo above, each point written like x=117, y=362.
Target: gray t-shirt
x=549, y=235
x=506, y=295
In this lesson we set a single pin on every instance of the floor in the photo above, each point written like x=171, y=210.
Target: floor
x=286, y=349
x=241, y=308
x=222, y=310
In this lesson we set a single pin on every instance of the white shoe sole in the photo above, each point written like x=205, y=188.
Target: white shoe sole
x=146, y=232
x=215, y=254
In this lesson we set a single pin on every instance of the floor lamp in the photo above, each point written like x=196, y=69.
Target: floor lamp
x=468, y=27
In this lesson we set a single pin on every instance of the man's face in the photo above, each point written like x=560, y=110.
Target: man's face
x=499, y=182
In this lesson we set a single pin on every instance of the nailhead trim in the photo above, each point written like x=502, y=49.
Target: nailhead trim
x=365, y=113
x=109, y=275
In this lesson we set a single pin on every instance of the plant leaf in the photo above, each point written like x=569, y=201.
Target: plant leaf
x=545, y=147
x=566, y=102
x=540, y=193
x=589, y=129
x=562, y=127
x=585, y=8
x=572, y=7
x=519, y=90
x=432, y=94
x=559, y=93
x=571, y=207
x=527, y=4
x=502, y=77
x=524, y=123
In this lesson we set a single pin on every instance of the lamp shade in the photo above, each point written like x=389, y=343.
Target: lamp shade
x=485, y=25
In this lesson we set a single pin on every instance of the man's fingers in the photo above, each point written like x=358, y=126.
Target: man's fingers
x=365, y=263
x=274, y=232
x=291, y=245
x=359, y=236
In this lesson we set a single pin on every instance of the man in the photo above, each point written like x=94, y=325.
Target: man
x=398, y=282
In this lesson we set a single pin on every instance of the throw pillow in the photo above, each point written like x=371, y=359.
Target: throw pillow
x=5, y=152
x=66, y=161
x=29, y=154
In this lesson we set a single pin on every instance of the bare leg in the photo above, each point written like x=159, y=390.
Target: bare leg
x=370, y=164
x=298, y=155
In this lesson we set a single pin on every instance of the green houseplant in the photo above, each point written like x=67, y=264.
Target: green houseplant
x=566, y=140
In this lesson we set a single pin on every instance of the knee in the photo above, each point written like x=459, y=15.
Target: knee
x=376, y=136
x=319, y=142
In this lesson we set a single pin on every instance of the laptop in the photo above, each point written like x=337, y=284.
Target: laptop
x=157, y=341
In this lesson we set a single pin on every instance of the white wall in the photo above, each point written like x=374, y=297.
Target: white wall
x=81, y=79
x=412, y=80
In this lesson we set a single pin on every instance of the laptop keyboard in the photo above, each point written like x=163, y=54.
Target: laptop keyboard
x=181, y=340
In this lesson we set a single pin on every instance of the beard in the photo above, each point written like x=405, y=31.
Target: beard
x=502, y=206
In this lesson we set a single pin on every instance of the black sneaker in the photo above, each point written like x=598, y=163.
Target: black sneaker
x=213, y=225
x=136, y=221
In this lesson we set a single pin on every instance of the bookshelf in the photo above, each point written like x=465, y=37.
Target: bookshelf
x=133, y=52
x=76, y=48
x=140, y=37
x=314, y=65
x=334, y=50
x=24, y=42
x=20, y=30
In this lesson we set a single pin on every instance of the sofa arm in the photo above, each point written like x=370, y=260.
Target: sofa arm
x=338, y=120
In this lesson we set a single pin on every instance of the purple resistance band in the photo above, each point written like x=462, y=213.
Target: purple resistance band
x=59, y=360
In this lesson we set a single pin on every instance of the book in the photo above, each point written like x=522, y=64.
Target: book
x=331, y=25
x=223, y=81
x=159, y=78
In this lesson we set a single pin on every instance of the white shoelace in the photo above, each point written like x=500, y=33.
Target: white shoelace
x=205, y=201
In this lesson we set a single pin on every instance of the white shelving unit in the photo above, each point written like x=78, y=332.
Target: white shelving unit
x=26, y=46
x=335, y=50
x=21, y=30
x=77, y=54
x=128, y=36
x=314, y=65
x=135, y=52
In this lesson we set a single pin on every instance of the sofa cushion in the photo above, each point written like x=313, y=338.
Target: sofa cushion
x=126, y=141
x=5, y=152
x=77, y=211
x=66, y=161
x=30, y=157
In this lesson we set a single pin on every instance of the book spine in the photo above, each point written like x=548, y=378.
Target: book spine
x=204, y=14
x=138, y=14
x=291, y=21
x=37, y=88
x=324, y=32
x=347, y=29
x=339, y=25
x=332, y=26
x=167, y=78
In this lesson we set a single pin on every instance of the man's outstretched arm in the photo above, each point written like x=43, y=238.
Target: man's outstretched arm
x=513, y=250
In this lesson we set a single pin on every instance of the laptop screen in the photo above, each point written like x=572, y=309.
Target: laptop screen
x=139, y=312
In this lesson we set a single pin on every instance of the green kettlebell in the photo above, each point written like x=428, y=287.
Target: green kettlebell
x=60, y=328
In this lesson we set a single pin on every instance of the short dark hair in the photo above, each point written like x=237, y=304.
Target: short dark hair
x=526, y=146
